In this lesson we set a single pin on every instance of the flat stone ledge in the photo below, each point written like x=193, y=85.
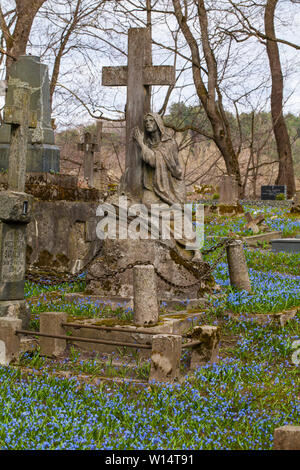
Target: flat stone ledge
x=280, y=318
x=115, y=301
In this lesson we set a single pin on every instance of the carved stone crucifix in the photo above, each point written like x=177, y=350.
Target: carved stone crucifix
x=138, y=76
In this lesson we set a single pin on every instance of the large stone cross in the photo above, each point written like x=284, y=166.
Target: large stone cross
x=20, y=118
x=138, y=76
x=15, y=205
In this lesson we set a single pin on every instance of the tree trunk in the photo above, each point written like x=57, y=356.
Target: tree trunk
x=17, y=42
x=207, y=95
x=286, y=169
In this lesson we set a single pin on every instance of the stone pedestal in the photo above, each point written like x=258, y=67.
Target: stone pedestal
x=15, y=210
x=165, y=358
x=237, y=266
x=50, y=323
x=207, y=351
x=117, y=254
x=9, y=341
x=42, y=155
x=287, y=438
x=145, y=296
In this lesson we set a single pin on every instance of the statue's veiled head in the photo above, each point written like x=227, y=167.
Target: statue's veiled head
x=153, y=122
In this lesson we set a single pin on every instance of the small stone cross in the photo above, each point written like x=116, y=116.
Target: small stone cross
x=253, y=223
x=89, y=148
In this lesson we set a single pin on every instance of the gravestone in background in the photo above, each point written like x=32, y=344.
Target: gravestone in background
x=269, y=193
x=228, y=190
x=42, y=154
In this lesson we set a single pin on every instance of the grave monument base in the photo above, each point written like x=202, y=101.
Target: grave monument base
x=177, y=276
x=16, y=309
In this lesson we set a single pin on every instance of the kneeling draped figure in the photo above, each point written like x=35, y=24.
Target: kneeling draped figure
x=163, y=180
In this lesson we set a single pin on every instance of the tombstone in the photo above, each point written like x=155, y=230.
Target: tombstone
x=138, y=76
x=269, y=193
x=288, y=245
x=15, y=205
x=228, y=190
x=42, y=153
x=89, y=148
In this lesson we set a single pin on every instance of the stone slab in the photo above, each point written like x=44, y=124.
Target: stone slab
x=261, y=318
x=114, y=302
x=262, y=237
x=172, y=323
x=288, y=245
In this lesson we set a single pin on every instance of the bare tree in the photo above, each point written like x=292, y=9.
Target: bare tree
x=209, y=94
x=17, y=30
x=286, y=170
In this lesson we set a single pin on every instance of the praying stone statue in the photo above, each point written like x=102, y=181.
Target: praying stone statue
x=162, y=173
x=163, y=180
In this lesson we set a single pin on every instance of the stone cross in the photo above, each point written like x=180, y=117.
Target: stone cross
x=89, y=148
x=253, y=223
x=15, y=207
x=20, y=119
x=138, y=76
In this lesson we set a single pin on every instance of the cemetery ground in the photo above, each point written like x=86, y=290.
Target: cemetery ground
x=65, y=403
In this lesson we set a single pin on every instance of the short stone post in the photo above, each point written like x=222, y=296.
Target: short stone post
x=208, y=349
x=287, y=438
x=50, y=323
x=238, y=270
x=165, y=358
x=145, y=296
x=9, y=340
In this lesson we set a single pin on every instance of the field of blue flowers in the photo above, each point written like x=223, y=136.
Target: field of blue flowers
x=235, y=404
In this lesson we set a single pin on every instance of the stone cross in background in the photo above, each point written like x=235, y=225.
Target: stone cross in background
x=89, y=148
x=15, y=206
x=138, y=76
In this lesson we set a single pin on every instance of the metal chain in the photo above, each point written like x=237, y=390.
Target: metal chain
x=193, y=265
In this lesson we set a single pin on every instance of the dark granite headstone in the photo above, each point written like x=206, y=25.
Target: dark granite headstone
x=42, y=155
x=269, y=193
x=289, y=245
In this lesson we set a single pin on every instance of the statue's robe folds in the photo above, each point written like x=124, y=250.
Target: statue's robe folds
x=162, y=173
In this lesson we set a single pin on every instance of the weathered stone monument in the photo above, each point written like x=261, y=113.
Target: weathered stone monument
x=153, y=174
x=228, y=190
x=15, y=204
x=42, y=153
x=228, y=203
